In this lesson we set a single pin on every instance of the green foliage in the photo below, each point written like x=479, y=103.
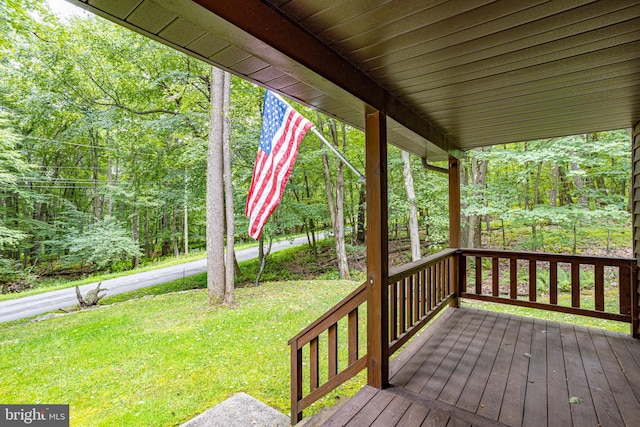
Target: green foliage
x=101, y=244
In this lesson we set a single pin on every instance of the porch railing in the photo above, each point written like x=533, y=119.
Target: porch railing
x=320, y=362
x=320, y=380
x=496, y=276
x=417, y=292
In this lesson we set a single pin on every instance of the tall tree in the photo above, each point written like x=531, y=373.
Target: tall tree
x=230, y=258
x=414, y=231
x=215, y=192
x=335, y=195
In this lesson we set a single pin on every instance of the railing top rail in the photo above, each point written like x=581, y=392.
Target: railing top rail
x=546, y=256
x=345, y=302
x=407, y=270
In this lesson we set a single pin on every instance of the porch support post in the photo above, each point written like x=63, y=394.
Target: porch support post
x=454, y=227
x=635, y=210
x=377, y=251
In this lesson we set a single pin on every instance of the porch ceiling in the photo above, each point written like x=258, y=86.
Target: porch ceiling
x=450, y=74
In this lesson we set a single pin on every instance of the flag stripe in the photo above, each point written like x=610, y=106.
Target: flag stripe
x=282, y=130
x=272, y=193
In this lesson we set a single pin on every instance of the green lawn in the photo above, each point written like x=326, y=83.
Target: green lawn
x=160, y=361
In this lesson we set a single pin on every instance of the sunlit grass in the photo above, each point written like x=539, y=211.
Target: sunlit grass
x=162, y=360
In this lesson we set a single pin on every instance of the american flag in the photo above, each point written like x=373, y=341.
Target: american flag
x=282, y=130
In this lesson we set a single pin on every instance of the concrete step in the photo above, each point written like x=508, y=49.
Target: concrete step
x=240, y=410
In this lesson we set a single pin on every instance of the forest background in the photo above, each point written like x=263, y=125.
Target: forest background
x=103, y=158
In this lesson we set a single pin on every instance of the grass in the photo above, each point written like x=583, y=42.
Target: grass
x=160, y=361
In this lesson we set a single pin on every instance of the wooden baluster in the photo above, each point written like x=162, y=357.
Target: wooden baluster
x=441, y=281
x=624, y=279
x=495, y=277
x=333, y=350
x=353, y=336
x=402, y=307
x=575, y=284
x=429, y=286
x=296, y=382
x=416, y=297
x=314, y=371
x=393, y=315
x=447, y=277
x=599, y=286
x=462, y=276
x=423, y=292
x=553, y=282
x=409, y=283
x=434, y=285
x=513, y=278
x=478, y=275
x=533, y=281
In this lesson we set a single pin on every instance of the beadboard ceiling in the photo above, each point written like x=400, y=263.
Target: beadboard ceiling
x=451, y=75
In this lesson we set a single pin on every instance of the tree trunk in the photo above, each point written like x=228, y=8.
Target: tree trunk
x=553, y=190
x=228, y=194
x=361, y=235
x=479, y=179
x=263, y=255
x=336, y=206
x=215, y=193
x=578, y=183
x=464, y=219
x=174, y=233
x=414, y=232
x=185, y=225
x=135, y=232
x=110, y=182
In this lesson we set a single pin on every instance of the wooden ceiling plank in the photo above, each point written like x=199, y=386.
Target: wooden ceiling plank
x=291, y=41
x=477, y=94
x=406, y=31
x=597, y=40
x=494, y=17
x=341, y=33
x=546, y=117
x=504, y=111
x=482, y=108
x=557, y=129
x=598, y=58
x=327, y=17
x=444, y=53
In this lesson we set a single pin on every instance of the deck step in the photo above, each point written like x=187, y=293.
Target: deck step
x=240, y=410
x=324, y=414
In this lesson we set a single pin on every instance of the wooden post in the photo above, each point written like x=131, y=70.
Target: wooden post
x=454, y=227
x=635, y=210
x=377, y=251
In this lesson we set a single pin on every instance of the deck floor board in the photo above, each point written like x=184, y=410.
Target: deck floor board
x=491, y=370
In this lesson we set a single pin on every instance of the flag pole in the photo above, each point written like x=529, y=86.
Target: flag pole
x=361, y=177
x=339, y=154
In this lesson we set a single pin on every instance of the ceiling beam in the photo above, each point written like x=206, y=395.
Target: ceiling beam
x=272, y=28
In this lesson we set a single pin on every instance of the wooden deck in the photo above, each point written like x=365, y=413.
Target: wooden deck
x=474, y=367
